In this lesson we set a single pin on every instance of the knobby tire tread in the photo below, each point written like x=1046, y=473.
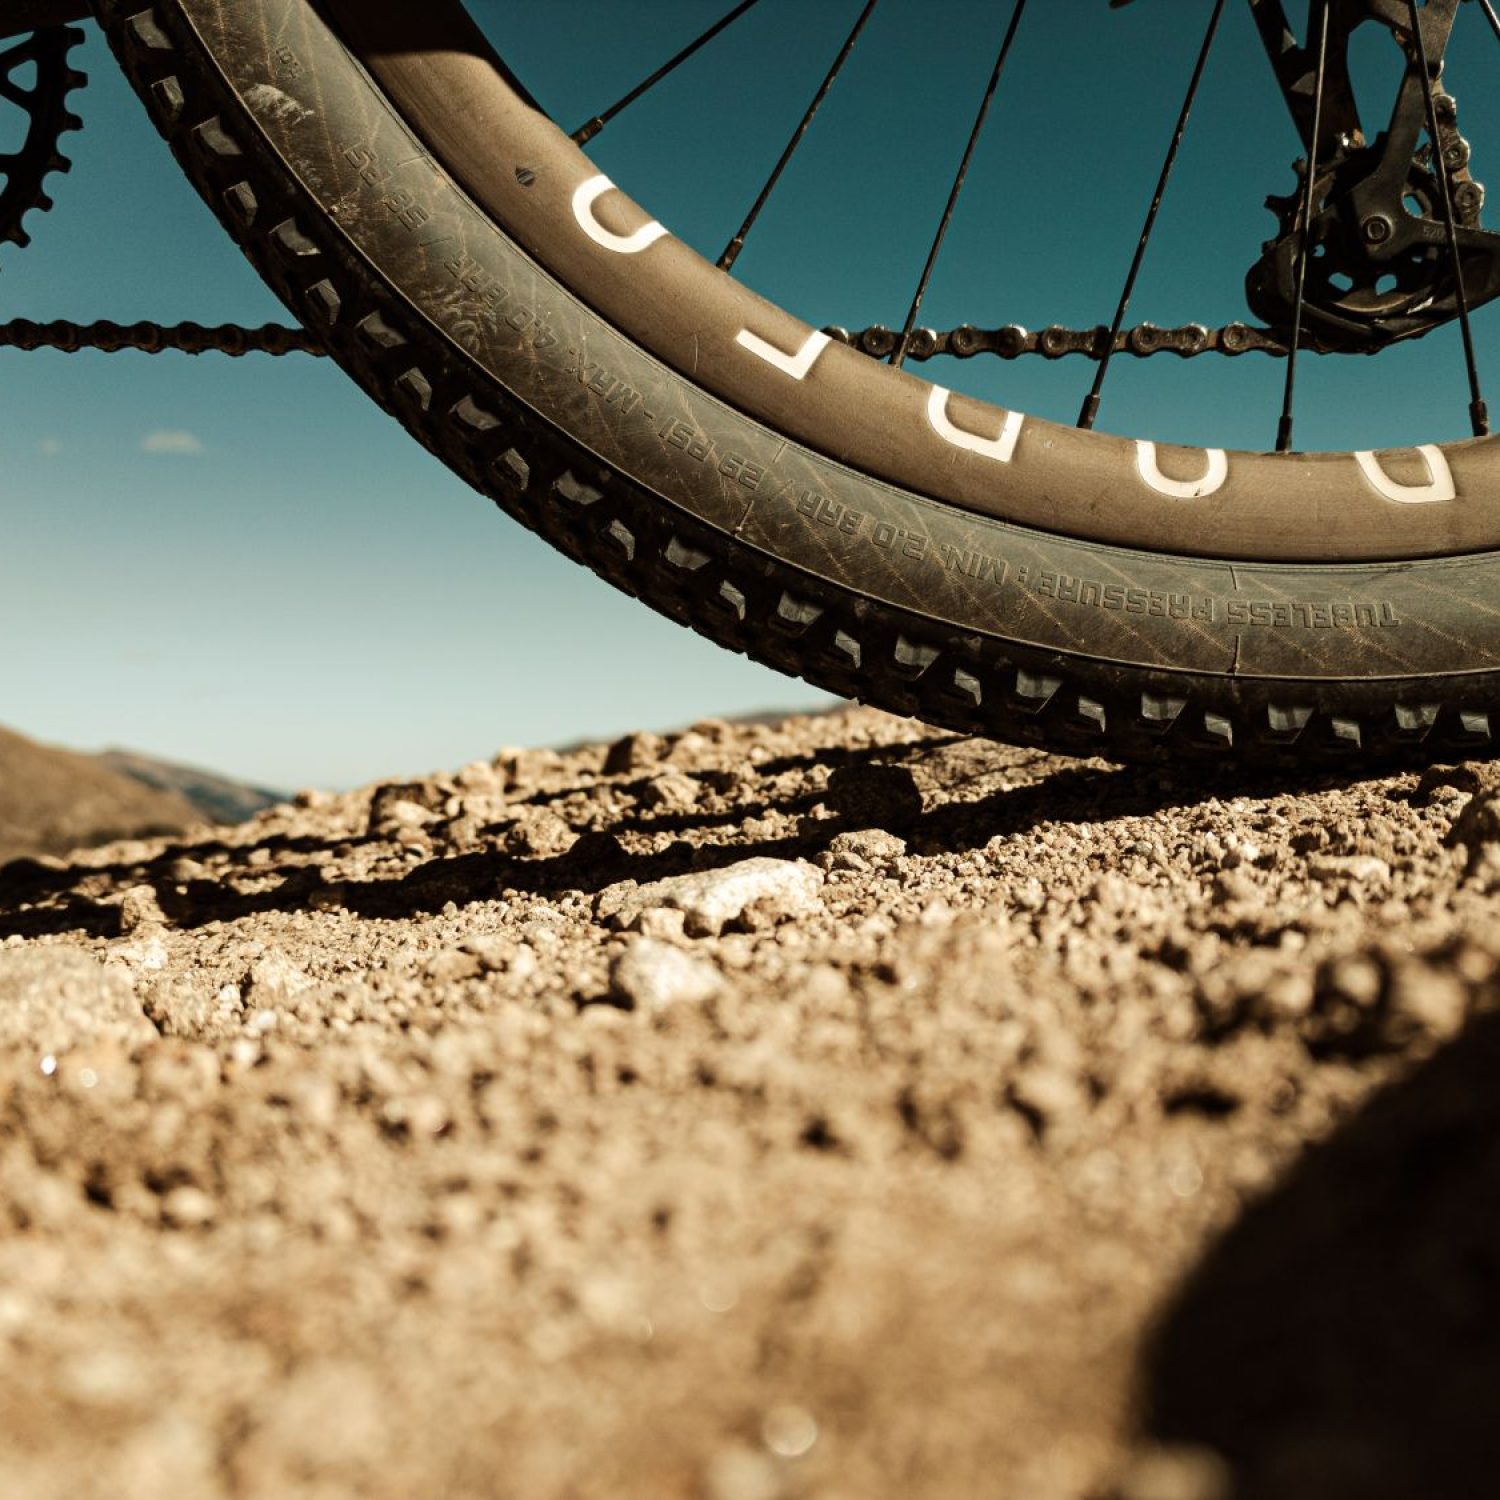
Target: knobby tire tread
x=738, y=597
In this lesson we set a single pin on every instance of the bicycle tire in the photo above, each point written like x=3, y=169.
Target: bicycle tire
x=927, y=606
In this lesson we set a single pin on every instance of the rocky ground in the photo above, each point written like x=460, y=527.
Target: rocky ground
x=829, y=1109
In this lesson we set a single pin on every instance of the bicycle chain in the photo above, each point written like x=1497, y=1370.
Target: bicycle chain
x=1055, y=342
x=232, y=339
x=46, y=54
x=50, y=47
x=1009, y=342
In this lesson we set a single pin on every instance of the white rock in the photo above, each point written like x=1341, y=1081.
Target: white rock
x=653, y=976
x=662, y=922
x=403, y=813
x=873, y=844
x=711, y=898
x=146, y=951
x=273, y=976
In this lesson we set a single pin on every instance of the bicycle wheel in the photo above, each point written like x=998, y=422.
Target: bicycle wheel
x=785, y=494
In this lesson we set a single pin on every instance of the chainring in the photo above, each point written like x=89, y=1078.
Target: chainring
x=36, y=79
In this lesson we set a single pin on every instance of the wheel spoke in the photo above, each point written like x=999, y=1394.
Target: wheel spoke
x=733, y=248
x=1105, y=343
x=899, y=352
x=586, y=132
x=1091, y=401
x=1284, y=426
x=1491, y=17
x=1479, y=417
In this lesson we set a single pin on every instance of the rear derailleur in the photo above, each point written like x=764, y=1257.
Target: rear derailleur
x=1379, y=266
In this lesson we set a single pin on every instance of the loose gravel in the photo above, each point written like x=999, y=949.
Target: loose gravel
x=833, y=1108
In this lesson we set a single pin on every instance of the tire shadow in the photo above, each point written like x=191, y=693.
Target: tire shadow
x=39, y=899
x=1342, y=1341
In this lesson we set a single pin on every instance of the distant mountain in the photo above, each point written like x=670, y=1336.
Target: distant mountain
x=216, y=798
x=54, y=800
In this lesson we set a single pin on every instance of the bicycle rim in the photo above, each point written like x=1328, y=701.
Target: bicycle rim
x=497, y=303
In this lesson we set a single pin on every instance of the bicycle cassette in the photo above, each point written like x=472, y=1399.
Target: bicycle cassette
x=1393, y=243
x=36, y=79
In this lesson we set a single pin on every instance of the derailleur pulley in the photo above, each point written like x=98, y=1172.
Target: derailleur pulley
x=1379, y=263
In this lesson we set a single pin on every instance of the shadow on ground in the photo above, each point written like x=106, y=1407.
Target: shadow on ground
x=1342, y=1342
x=879, y=790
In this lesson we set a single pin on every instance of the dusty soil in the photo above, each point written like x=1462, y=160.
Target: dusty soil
x=1011, y=1126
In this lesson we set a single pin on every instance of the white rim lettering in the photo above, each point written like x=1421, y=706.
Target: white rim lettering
x=796, y=364
x=585, y=196
x=1439, y=484
x=1215, y=472
x=999, y=448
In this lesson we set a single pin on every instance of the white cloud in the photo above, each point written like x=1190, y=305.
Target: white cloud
x=49, y=447
x=170, y=440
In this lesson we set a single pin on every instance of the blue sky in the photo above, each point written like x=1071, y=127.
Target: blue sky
x=246, y=565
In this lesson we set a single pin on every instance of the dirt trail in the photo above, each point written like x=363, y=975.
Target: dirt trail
x=830, y=1109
